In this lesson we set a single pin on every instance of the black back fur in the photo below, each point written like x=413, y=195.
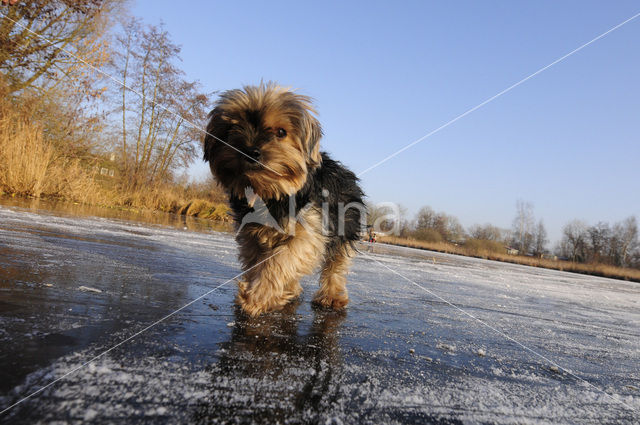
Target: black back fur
x=341, y=188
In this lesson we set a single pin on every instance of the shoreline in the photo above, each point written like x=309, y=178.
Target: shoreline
x=147, y=215
x=190, y=217
x=590, y=269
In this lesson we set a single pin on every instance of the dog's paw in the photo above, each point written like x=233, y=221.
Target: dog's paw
x=255, y=300
x=332, y=301
x=247, y=300
x=253, y=309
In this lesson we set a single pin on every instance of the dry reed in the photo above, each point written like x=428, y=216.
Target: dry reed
x=30, y=166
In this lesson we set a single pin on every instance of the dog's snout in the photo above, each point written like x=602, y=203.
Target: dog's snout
x=252, y=153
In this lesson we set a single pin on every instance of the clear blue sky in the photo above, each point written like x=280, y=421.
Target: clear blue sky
x=385, y=73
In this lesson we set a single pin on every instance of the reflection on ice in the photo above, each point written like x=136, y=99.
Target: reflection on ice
x=276, y=363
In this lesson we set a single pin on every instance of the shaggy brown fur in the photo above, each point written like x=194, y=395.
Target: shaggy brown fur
x=266, y=139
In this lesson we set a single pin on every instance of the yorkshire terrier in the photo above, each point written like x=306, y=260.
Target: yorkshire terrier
x=263, y=142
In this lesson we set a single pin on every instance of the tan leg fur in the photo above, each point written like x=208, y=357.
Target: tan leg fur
x=333, y=280
x=282, y=260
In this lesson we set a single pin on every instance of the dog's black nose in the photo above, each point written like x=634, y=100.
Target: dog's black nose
x=253, y=153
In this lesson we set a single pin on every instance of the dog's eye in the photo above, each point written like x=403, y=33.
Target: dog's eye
x=281, y=133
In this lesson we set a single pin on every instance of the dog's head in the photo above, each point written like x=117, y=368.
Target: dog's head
x=265, y=137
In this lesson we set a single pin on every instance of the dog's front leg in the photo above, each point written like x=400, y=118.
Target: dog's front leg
x=274, y=267
x=265, y=293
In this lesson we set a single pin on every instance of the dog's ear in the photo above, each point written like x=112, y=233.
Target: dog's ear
x=313, y=134
x=217, y=129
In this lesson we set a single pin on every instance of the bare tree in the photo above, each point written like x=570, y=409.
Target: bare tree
x=403, y=221
x=425, y=226
x=49, y=50
x=523, y=225
x=425, y=218
x=599, y=242
x=386, y=218
x=574, y=240
x=486, y=232
x=626, y=236
x=161, y=122
x=374, y=213
x=121, y=59
x=435, y=227
x=454, y=230
x=36, y=35
x=540, y=239
x=634, y=260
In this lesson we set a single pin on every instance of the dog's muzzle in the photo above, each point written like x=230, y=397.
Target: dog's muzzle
x=252, y=154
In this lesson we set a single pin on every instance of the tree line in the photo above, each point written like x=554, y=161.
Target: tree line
x=615, y=244
x=601, y=243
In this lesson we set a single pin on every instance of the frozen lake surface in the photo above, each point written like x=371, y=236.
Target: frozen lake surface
x=423, y=339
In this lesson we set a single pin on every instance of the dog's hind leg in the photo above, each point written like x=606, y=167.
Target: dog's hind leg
x=333, y=278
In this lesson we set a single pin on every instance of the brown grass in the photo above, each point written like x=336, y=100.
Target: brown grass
x=30, y=166
x=167, y=197
x=24, y=157
x=205, y=209
x=490, y=252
